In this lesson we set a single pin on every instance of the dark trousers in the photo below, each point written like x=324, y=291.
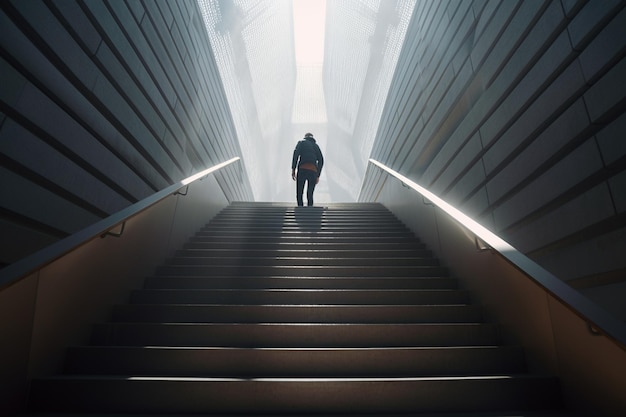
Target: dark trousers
x=305, y=175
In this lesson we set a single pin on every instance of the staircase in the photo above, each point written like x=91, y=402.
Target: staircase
x=272, y=309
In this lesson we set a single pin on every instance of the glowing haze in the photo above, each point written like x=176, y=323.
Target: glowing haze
x=309, y=18
x=294, y=66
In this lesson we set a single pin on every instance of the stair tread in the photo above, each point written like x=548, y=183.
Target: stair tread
x=381, y=253
x=300, y=296
x=505, y=413
x=305, y=255
x=291, y=307
x=304, y=277
x=300, y=349
x=295, y=334
x=290, y=362
x=288, y=261
x=504, y=377
x=304, y=313
x=296, y=395
x=305, y=270
x=317, y=290
x=287, y=282
x=310, y=324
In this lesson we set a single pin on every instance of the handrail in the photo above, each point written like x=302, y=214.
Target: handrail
x=595, y=316
x=22, y=268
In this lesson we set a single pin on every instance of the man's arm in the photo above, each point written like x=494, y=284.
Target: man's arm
x=294, y=161
x=320, y=161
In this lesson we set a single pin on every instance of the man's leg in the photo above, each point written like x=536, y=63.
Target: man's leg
x=300, y=179
x=312, y=179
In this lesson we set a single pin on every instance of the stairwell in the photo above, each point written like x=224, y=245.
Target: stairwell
x=272, y=309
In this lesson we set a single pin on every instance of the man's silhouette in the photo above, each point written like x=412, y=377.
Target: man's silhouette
x=307, y=157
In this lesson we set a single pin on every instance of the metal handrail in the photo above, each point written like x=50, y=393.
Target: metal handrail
x=24, y=267
x=596, y=317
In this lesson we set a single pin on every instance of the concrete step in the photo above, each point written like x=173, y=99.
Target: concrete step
x=371, y=224
x=328, y=207
x=326, y=245
x=303, y=270
x=292, y=395
x=311, y=260
x=323, y=209
x=257, y=207
x=306, y=234
x=300, y=296
x=286, y=221
x=319, y=253
x=501, y=413
x=220, y=313
x=303, y=363
x=290, y=204
x=280, y=223
x=308, y=335
x=312, y=238
x=304, y=216
x=216, y=282
x=308, y=213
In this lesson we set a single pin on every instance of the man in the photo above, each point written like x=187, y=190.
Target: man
x=308, y=158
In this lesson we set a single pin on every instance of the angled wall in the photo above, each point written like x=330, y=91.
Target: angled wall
x=515, y=111
x=102, y=103
x=362, y=46
x=253, y=41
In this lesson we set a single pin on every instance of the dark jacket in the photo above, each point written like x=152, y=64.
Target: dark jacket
x=307, y=151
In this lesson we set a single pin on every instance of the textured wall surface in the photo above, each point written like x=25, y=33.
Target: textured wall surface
x=102, y=103
x=515, y=111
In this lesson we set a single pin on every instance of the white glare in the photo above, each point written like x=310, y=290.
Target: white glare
x=309, y=17
x=309, y=20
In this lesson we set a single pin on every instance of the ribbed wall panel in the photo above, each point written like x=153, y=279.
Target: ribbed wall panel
x=102, y=104
x=515, y=111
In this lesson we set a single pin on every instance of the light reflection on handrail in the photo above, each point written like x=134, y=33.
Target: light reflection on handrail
x=22, y=268
x=595, y=316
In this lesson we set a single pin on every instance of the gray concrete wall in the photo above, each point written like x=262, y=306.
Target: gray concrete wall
x=102, y=103
x=515, y=111
x=591, y=366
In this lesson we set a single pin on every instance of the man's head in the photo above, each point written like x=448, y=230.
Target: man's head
x=308, y=135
